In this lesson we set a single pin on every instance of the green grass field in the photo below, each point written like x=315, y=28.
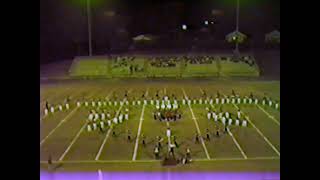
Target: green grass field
x=64, y=137
x=100, y=67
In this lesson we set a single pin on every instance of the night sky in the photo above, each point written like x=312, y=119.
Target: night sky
x=63, y=23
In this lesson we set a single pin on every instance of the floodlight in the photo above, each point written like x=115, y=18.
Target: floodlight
x=184, y=27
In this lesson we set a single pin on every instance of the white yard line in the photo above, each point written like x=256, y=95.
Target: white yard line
x=61, y=122
x=269, y=115
x=151, y=160
x=134, y=156
x=261, y=134
x=108, y=134
x=100, y=174
x=72, y=142
x=197, y=126
x=235, y=141
x=237, y=144
x=77, y=136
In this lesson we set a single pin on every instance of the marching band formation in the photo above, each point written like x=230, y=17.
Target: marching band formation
x=101, y=114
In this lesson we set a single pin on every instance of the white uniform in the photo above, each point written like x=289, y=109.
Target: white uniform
x=67, y=106
x=109, y=122
x=205, y=101
x=194, y=101
x=175, y=106
x=263, y=102
x=139, y=102
x=121, y=118
x=157, y=102
x=121, y=103
x=109, y=102
x=60, y=108
x=239, y=100
x=102, y=124
x=86, y=103
x=213, y=114
x=239, y=114
x=115, y=103
x=168, y=133
x=115, y=120
x=245, y=100
x=169, y=106
x=126, y=116
x=151, y=101
x=277, y=106
x=134, y=103
x=256, y=101
x=270, y=103
x=200, y=101
x=52, y=109
x=93, y=103
x=127, y=102
x=215, y=118
x=94, y=126
x=244, y=123
x=89, y=128
x=209, y=115
x=157, y=107
x=78, y=104
x=217, y=100
x=233, y=101
x=163, y=106
x=189, y=101
x=96, y=116
x=108, y=116
x=250, y=101
x=227, y=115
x=223, y=120
x=222, y=101
x=230, y=121
x=211, y=101
x=99, y=103
x=220, y=115
x=46, y=111
x=145, y=102
x=228, y=100
x=90, y=117
x=104, y=103
x=237, y=122
x=103, y=116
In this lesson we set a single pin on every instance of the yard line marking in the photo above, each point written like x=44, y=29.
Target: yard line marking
x=109, y=131
x=139, y=131
x=64, y=120
x=61, y=122
x=270, y=116
x=197, y=126
x=151, y=160
x=76, y=137
x=260, y=133
x=240, y=159
x=237, y=144
x=100, y=175
x=72, y=142
x=235, y=141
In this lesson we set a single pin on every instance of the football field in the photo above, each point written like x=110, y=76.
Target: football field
x=65, y=137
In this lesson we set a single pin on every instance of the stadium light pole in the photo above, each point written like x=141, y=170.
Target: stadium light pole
x=237, y=23
x=89, y=27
